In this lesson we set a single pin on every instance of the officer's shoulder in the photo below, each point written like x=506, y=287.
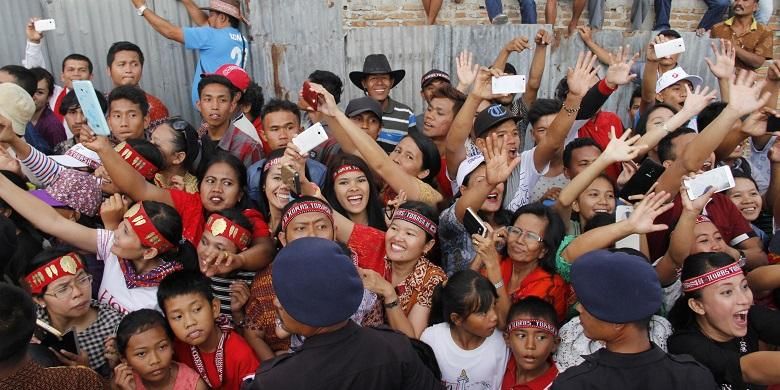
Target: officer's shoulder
x=574, y=373
x=685, y=360
x=275, y=362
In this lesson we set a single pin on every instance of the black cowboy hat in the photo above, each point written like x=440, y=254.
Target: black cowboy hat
x=376, y=64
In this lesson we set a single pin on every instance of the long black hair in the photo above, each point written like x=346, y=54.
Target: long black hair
x=430, y=155
x=681, y=316
x=553, y=233
x=376, y=217
x=185, y=139
x=466, y=292
x=168, y=222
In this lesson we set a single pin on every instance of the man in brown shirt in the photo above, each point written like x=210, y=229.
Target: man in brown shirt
x=752, y=40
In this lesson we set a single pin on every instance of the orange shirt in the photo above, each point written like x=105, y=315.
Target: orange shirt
x=539, y=283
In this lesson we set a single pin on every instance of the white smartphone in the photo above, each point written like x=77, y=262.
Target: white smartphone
x=44, y=25
x=87, y=97
x=719, y=178
x=310, y=138
x=622, y=212
x=669, y=48
x=508, y=84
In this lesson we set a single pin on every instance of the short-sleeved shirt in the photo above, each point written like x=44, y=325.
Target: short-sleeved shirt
x=395, y=124
x=542, y=382
x=216, y=47
x=456, y=247
x=757, y=39
x=186, y=378
x=545, y=183
x=417, y=288
x=240, y=361
x=114, y=291
x=723, y=358
x=539, y=283
x=522, y=181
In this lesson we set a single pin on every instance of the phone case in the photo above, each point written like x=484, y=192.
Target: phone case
x=669, y=48
x=291, y=179
x=647, y=174
x=508, y=84
x=44, y=25
x=473, y=223
x=719, y=178
x=96, y=119
x=310, y=138
x=622, y=212
x=66, y=342
x=309, y=96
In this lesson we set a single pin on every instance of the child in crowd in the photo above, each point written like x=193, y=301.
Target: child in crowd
x=145, y=344
x=221, y=357
x=532, y=337
x=464, y=335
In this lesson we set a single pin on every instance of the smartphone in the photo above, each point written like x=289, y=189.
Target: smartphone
x=622, y=212
x=474, y=224
x=508, y=84
x=644, y=178
x=310, y=96
x=719, y=178
x=669, y=48
x=44, y=25
x=310, y=138
x=96, y=119
x=291, y=179
x=772, y=124
x=54, y=339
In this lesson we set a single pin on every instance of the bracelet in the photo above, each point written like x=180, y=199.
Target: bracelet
x=499, y=284
x=391, y=304
x=569, y=110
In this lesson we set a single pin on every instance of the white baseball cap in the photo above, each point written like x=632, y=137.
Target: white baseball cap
x=674, y=76
x=467, y=166
x=78, y=156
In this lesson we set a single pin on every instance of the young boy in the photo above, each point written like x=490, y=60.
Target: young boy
x=532, y=337
x=128, y=113
x=219, y=355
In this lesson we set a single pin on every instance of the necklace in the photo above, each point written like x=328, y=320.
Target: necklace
x=219, y=361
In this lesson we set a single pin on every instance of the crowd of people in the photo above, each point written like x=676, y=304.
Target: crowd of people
x=408, y=250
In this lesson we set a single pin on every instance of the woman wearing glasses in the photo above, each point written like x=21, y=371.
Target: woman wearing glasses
x=179, y=144
x=64, y=301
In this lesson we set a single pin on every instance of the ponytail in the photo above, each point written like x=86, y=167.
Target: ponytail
x=465, y=293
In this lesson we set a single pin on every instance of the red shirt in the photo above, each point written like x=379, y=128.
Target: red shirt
x=445, y=187
x=369, y=246
x=539, y=283
x=240, y=361
x=721, y=210
x=157, y=109
x=193, y=220
x=598, y=128
x=541, y=383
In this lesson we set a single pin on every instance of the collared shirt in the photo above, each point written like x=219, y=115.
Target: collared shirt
x=757, y=39
x=349, y=358
x=542, y=382
x=395, y=124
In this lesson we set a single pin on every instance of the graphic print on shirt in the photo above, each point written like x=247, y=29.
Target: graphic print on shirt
x=464, y=384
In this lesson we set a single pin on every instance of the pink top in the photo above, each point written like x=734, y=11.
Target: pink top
x=186, y=378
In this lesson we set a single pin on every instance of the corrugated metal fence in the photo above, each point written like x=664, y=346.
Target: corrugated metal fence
x=290, y=39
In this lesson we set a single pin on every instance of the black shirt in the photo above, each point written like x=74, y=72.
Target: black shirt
x=652, y=369
x=349, y=358
x=723, y=358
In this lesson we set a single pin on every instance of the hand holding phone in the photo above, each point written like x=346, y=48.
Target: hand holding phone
x=719, y=179
x=669, y=48
x=310, y=138
x=87, y=97
x=292, y=179
x=56, y=340
x=474, y=224
x=44, y=25
x=310, y=96
x=508, y=84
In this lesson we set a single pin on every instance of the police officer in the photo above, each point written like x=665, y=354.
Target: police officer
x=317, y=290
x=618, y=294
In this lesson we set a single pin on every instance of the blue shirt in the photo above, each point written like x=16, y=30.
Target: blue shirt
x=216, y=47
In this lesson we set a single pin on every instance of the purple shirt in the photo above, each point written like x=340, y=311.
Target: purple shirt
x=50, y=128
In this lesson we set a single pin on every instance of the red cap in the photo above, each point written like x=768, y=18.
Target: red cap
x=237, y=76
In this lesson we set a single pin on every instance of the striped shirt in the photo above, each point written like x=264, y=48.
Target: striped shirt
x=395, y=124
x=42, y=167
x=220, y=286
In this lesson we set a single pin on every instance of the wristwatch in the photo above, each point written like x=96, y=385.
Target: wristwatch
x=390, y=305
x=140, y=10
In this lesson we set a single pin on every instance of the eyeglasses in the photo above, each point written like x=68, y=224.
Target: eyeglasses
x=529, y=237
x=65, y=291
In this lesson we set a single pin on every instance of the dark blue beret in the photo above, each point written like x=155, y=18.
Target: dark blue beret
x=316, y=282
x=616, y=287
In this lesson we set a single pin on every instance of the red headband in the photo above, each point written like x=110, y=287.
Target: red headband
x=711, y=277
x=416, y=218
x=46, y=274
x=271, y=163
x=137, y=161
x=702, y=219
x=346, y=169
x=142, y=226
x=535, y=324
x=220, y=226
x=309, y=206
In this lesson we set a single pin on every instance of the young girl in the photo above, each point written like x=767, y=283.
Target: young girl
x=351, y=190
x=532, y=337
x=179, y=144
x=748, y=200
x=716, y=322
x=464, y=336
x=145, y=344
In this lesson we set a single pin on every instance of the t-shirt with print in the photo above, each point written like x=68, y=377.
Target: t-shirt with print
x=479, y=368
x=456, y=246
x=522, y=181
x=216, y=47
x=113, y=289
x=240, y=361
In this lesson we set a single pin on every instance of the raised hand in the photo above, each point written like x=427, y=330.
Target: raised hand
x=622, y=148
x=96, y=143
x=723, y=66
x=773, y=71
x=650, y=53
x=697, y=99
x=326, y=104
x=629, y=169
x=517, y=45
x=543, y=37
x=112, y=210
x=123, y=378
x=33, y=35
x=499, y=165
x=697, y=205
x=7, y=134
x=586, y=34
x=755, y=125
x=745, y=93
x=466, y=68
x=239, y=296
x=619, y=71
x=483, y=87
x=579, y=77
x=774, y=153
x=486, y=248
x=653, y=205
x=375, y=283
